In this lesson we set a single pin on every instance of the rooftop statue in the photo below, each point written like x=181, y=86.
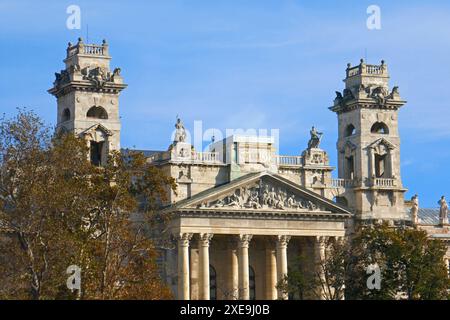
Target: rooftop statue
x=443, y=217
x=415, y=209
x=314, y=141
x=180, y=133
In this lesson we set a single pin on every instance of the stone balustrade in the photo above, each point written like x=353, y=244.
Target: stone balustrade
x=384, y=182
x=87, y=49
x=343, y=183
x=368, y=69
x=208, y=157
x=288, y=160
x=93, y=49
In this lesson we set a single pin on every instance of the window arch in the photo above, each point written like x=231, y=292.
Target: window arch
x=212, y=283
x=97, y=113
x=379, y=128
x=350, y=130
x=252, y=283
x=65, y=115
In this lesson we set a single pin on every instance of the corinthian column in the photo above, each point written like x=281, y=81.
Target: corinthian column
x=233, y=275
x=183, y=265
x=204, y=241
x=282, y=262
x=244, y=242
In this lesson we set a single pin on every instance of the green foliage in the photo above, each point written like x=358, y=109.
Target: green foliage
x=411, y=265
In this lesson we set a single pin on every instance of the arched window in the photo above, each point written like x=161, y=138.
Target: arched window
x=252, y=283
x=65, y=115
x=350, y=130
x=97, y=113
x=212, y=283
x=379, y=128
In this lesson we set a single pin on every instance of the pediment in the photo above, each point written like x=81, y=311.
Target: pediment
x=261, y=192
x=382, y=142
x=97, y=127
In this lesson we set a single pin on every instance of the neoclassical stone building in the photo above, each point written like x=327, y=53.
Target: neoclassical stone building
x=242, y=213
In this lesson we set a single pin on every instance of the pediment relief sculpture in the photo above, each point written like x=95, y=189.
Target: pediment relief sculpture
x=263, y=195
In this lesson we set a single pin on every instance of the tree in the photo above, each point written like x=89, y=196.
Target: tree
x=322, y=279
x=57, y=210
x=411, y=264
x=411, y=267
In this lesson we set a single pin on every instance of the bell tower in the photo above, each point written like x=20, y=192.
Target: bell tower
x=369, y=144
x=87, y=94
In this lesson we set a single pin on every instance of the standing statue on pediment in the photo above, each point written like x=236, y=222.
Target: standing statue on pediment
x=272, y=197
x=280, y=200
x=314, y=141
x=180, y=133
x=265, y=195
x=443, y=211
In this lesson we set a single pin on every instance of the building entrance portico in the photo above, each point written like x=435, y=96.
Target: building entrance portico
x=241, y=231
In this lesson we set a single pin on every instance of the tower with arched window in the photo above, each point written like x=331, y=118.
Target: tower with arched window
x=369, y=143
x=87, y=94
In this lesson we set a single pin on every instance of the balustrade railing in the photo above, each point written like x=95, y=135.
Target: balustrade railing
x=343, y=183
x=288, y=160
x=384, y=182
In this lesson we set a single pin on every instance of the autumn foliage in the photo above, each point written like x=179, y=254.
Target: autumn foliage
x=57, y=210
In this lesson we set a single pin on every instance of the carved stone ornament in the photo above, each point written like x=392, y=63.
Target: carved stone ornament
x=263, y=195
x=184, y=238
x=205, y=239
x=283, y=241
x=244, y=240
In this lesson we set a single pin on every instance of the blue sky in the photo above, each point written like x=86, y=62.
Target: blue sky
x=271, y=64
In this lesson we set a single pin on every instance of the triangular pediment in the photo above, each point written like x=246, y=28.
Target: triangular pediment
x=97, y=127
x=261, y=192
x=382, y=141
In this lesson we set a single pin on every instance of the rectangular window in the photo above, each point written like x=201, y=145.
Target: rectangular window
x=96, y=153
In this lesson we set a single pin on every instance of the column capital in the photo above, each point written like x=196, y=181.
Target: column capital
x=321, y=239
x=205, y=239
x=283, y=240
x=183, y=238
x=244, y=240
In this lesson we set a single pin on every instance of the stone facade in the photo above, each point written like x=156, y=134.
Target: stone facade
x=87, y=94
x=242, y=213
